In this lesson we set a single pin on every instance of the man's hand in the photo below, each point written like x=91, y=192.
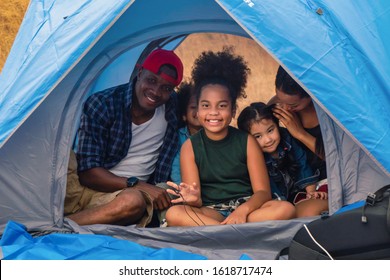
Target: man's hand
x=160, y=197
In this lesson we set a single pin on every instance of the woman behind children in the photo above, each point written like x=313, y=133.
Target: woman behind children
x=188, y=122
x=225, y=179
x=296, y=111
x=286, y=161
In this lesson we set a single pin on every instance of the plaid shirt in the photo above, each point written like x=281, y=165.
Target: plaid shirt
x=105, y=132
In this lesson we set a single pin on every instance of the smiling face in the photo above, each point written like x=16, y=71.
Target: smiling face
x=293, y=103
x=215, y=110
x=191, y=116
x=151, y=91
x=267, y=135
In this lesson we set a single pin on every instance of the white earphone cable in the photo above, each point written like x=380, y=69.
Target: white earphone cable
x=318, y=244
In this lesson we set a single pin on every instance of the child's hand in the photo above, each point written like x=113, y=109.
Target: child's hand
x=175, y=188
x=317, y=195
x=236, y=217
x=189, y=194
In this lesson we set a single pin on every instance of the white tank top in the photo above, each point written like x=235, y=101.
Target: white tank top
x=147, y=139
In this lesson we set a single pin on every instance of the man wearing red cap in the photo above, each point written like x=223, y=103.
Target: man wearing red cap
x=127, y=141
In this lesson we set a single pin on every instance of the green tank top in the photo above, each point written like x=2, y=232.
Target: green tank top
x=222, y=166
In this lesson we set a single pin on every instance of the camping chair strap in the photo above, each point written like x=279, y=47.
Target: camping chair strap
x=372, y=198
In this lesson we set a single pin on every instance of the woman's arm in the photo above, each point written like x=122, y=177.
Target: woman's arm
x=293, y=124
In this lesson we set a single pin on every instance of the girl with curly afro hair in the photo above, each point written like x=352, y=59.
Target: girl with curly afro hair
x=224, y=176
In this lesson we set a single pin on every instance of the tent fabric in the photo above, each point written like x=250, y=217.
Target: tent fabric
x=66, y=50
x=55, y=32
x=40, y=197
x=264, y=240
x=351, y=172
x=351, y=36
x=18, y=244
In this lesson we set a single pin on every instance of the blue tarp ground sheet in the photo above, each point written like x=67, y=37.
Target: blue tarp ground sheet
x=17, y=244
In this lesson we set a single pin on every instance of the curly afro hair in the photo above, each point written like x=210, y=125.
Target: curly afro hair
x=222, y=67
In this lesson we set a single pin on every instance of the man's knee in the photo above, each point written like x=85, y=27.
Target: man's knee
x=130, y=203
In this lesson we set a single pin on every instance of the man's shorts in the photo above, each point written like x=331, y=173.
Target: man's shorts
x=79, y=197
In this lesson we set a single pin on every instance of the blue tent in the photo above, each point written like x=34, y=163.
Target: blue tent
x=66, y=50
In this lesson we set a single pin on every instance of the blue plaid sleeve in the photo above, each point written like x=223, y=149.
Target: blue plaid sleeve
x=93, y=134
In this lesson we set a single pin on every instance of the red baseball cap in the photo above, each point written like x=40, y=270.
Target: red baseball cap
x=158, y=58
